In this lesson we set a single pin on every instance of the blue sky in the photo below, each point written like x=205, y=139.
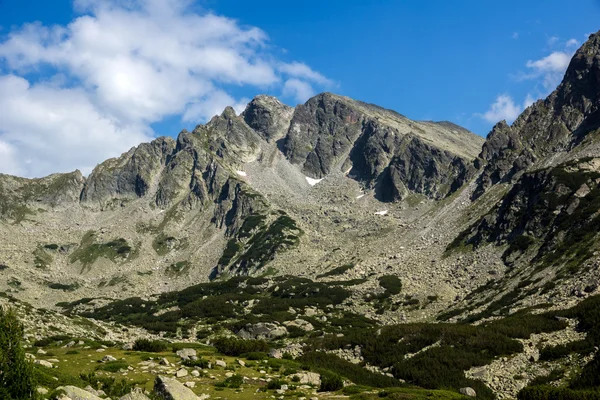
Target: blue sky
x=83, y=81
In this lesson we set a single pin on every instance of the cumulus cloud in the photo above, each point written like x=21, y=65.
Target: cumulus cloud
x=504, y=108
x=298, y=89
x=95, y=85
x=550, y=68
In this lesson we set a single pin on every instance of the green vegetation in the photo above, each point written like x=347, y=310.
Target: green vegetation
x=89, y=251
x=257, y=242
x=333, y=366
x=42, y=259
x=152, y=346
x=235, y=347
x=113, y=366
x=391, y=284
x=234, y=382
x=17, y=380
x=177, y=269
x=336, y=271
x=62, y=286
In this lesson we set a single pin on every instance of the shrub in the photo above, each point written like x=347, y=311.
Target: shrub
x=153, y=346
x=275, y=384
x=391, y=283
x=112, y=366
x=111, y=386
x=235, y=347
x=554, y=393
x=233, y=382
x=200, y=363
x=256, y=355
x=17, y=380
x=330, y=382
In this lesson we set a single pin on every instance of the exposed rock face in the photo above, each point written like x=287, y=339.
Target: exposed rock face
x=171, y=389
x=558, y=123
x=268, y=117
x=381, y=148
x=553, y=210
x=129, y=176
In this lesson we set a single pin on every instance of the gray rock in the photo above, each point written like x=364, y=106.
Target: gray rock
x=171, y=389
x=467, y=391
x=75, y=393
x=187, y=354
x=262, y=330
x=43, y=363
x=135, y=395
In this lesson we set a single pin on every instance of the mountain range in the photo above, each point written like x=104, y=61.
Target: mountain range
x=333, y=190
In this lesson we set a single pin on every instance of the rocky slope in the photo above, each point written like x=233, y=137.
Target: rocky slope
x=228, y=197
x=346, y=204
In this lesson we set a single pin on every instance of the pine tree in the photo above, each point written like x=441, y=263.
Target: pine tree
x=17, y=381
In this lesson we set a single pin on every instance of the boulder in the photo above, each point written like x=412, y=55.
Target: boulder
x=308, y=378
x=108, y=358
x=221, y=363
x=135, y=395
x=301, y=324
x=181, y=373
x=262, y=330
x=75, y=393
x=187, y=354
x=172, y=389
x=468, y=391
x=43, y=363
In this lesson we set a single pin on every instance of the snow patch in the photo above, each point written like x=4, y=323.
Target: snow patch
x=360, y=196
x=384, y=212
x=313, y=182
x=241, y=173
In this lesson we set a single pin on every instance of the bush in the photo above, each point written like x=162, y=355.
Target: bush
x=112, y=366
x=152, y=346
x=236, y=347
x=275, y=384
x=391, y=283
x=200, y=363
x=330, y=382
x=17, y=380
x=256, y=355
x=233, y=382
x=554, y=393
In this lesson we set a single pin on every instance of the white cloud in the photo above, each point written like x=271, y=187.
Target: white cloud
x=301, y=70
x=550, y=68
x=504, y=108
x=211, y=105
x=529, y=100
x=552, y=40
x=122, y=66
x=572, y=43
x=515, y=35
x=60, y=130
x=298, y=89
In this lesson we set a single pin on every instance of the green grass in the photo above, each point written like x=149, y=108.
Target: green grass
x=89, y=250
x=42, y=259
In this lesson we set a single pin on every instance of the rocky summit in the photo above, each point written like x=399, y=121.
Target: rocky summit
x=334, y=247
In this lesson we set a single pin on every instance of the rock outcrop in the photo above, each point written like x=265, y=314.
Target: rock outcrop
x=382, y=149
x=171, y=389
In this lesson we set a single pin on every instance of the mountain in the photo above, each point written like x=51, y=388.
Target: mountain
x=331, y=219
